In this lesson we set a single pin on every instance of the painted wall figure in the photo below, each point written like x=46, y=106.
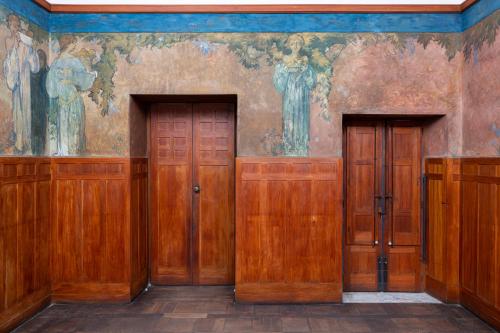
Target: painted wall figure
x=21, y=61
x=67, y=77
x=294, y=78
x=39, y=106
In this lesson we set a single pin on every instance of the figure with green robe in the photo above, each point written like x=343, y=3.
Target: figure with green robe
x=66, y=79
x=294, y=78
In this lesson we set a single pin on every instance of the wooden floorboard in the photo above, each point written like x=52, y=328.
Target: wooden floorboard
x=211, y=309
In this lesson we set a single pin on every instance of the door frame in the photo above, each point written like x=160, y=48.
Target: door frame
x=145, y=102
x=402, y=121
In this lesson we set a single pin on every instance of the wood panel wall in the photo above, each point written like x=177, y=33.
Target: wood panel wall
x=24, y=238
x=288, y=229
x=443, y=228
x=139, y=224
x=98, y=235
x=480, y=238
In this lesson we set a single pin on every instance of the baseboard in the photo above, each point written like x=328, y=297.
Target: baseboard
x=24, y=310
x=91, y=292
x=288, y=293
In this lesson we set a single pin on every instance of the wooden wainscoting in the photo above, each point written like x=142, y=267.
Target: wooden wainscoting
x=139, y=223
x=443, y=228
x=24, y=238
x=288, y=229
x=480, y=238
x=94, y=236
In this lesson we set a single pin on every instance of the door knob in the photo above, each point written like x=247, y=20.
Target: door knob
x=390, y=243
x=196, y=189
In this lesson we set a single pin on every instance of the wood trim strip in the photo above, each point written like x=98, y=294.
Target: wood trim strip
x=255, y=8
x=43, y=3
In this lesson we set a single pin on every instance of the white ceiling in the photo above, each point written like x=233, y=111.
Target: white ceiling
x=256, y=2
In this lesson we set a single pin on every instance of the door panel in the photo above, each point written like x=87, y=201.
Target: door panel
x=403, y=219
x=214, y=214
x=382, y=206
x=361, y=254
x=171, y=158
x=405, y=185
x=192, y=232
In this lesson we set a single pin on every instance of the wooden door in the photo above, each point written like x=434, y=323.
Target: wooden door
x=192, y=164
x=171, y=180
x=361, y=251
x=382, y=234
x=214, y=204
x=403, y=207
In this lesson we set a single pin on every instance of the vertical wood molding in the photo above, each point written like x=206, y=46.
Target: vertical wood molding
x=139, y=224
x=443, y=228
x=480, y=238
x=97, y=239
x=24, y=238
x=288, y=222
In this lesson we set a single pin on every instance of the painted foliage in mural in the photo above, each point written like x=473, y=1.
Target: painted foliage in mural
x=292, y=88
x=481, y=89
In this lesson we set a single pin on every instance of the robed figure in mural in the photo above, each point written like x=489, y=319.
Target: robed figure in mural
x=68, y=77
x=20, y=62
x=39, y=106
x=294, y=78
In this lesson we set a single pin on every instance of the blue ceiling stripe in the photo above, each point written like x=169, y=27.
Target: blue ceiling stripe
x=479, y=11
x=345, y=23
x=255, y=23
x=29, y=10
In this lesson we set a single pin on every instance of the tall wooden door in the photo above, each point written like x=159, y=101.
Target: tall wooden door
x=383, y=180
x=192, y=175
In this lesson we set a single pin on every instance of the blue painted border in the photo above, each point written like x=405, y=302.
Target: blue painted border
x=478, y=12
x=30, y=11
x=344, y=23
x=255, y=23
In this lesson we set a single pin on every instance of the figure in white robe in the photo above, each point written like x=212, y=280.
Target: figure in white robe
x=20, y=62
x=66, y=79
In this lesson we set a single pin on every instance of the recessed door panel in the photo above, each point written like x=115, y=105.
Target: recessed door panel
x=214, y=213
x=192, y=156
x=361, y=252
x=382, y=236
x=171, y=164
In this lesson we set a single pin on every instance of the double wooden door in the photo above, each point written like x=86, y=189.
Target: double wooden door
x=383, y=182
x=192, y=184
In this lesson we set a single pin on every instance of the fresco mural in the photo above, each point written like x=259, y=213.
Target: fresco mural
x=21, y=61
x=292, y=88
x=481, y=134
x=23, y=54
x=66, y=79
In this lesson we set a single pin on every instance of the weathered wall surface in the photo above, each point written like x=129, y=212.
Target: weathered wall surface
x=481, y=115
x=293, y=89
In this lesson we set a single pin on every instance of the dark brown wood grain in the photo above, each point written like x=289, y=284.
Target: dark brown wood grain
x=288, y=240
x=24, y=238
x=299, y=8
x=139, y=223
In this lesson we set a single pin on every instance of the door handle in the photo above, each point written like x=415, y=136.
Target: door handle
x=196, y=189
